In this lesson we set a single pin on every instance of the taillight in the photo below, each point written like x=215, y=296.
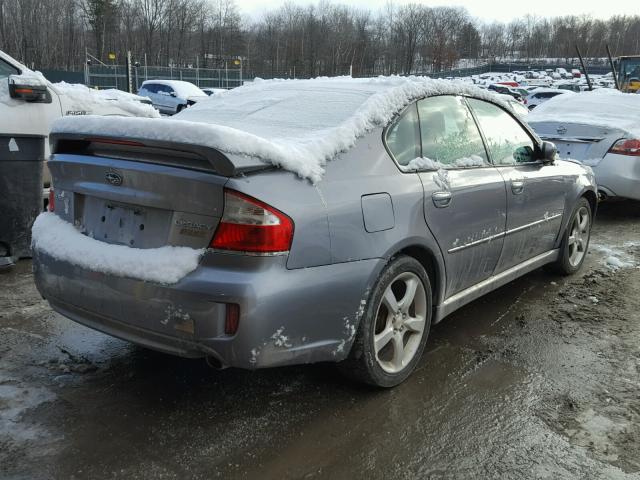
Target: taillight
x=52, y=200
x=249, y=225
x=626, y=146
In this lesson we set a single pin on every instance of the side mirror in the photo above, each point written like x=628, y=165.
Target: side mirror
x=29, y=89
x=173, y=94
x=549, y=152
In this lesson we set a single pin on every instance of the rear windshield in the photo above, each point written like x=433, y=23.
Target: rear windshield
x=276, y=111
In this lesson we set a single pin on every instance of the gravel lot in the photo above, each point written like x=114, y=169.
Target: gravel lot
x=540, y=379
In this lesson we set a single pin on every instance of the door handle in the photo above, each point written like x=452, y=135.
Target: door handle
x=517, y=186
x=441, y=199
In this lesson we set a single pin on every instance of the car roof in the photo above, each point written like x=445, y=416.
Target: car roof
x=550, y=90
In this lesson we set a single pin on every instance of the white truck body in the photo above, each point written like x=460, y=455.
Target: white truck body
x=21, y=117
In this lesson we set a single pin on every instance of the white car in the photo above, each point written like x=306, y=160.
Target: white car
x=601, y=130
x=171, y=96
x=29, y=103
x=541, y=95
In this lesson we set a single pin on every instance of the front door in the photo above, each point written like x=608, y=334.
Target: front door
x=464, y=195
x=535, y=192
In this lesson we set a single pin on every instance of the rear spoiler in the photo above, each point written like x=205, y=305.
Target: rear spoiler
x=182, y=155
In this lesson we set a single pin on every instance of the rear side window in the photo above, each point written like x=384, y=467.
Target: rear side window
x=450, y=135
x=403, y=137
x=507, y=141
x=6, y=69
x=151, y=87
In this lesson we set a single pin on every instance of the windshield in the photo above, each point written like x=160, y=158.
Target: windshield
x=629, y=69
x=6, y=69
x=279, y=109
x=186, y=89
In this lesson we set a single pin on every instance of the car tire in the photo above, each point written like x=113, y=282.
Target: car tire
x=575, y=242
x=179, y=108
x=394, y=327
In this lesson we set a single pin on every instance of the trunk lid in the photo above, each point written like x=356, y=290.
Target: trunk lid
x=141, y=194
x=578, y=141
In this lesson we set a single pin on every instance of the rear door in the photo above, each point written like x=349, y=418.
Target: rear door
x=465, y=200
x=535, y=191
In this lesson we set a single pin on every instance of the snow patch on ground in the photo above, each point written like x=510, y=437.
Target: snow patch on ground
x=59, y=239
x=15, y=400
x=298, y=125
x=614, y=257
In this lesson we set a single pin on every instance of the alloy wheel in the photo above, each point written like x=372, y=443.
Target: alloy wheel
x=400, y=322
x=579, y=237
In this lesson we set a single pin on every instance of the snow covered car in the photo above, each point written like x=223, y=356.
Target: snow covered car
x=600, y=129
x=171, y=96
x=29, y=103
x=541, y=95
x=213, y=91
x=300, y=221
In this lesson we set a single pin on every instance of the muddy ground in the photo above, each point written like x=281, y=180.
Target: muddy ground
x=540, y=379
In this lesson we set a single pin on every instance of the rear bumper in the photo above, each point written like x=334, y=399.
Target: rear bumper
x=286, y=316
x=619, y=175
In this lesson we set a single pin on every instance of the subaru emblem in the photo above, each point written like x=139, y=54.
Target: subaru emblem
x=113, y=178
x=561, y=130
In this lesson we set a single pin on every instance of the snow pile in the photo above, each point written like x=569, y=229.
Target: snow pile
x=296, y=124
x=603, y=107
x=103, y=102
x=59, y=239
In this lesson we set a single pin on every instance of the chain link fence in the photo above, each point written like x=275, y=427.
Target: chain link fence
x=115, y=76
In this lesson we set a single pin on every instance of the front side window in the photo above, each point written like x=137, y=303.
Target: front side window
x=151, y=87
x=450, y=136
x=507, y=141
x=403, y=137
x=6, y=69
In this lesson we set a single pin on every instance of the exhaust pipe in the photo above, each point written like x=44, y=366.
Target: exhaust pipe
x=215, y=363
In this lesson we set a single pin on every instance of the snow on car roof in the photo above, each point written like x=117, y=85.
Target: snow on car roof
x=550, y=90
x=182, y=88
x=296, y=124
x=602, y=107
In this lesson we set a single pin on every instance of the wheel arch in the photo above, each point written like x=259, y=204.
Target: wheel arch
x=430, y=258
x=592, y=198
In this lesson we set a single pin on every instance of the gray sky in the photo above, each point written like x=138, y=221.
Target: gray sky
x=502, y=10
